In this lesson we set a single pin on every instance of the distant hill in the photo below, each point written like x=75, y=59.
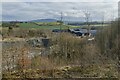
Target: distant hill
x=44, y=20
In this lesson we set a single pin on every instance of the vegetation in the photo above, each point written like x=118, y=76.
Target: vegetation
x=108, y=40
x=38, y=25
x=67, y=56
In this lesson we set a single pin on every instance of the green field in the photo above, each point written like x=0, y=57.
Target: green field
x=31, y=25
x=39, y=25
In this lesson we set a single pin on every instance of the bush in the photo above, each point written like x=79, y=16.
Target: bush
x=107, y=40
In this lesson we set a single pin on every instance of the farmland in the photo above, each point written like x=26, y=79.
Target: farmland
x=37, y=25
x=52, y=25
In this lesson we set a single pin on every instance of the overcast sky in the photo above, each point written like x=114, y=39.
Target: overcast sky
x=59, y=0
x=20, y=10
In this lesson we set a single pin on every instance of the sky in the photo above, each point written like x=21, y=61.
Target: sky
x=73, y=10
x=59, y=0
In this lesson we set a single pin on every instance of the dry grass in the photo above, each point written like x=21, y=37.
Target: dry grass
x=69, y=57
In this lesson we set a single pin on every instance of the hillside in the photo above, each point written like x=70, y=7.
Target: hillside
x=44, y=20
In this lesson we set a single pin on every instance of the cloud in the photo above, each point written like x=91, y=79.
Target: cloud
x=70, y=10
x=60, y=0
x=0, y=11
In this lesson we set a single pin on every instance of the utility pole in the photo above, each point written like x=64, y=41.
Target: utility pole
x=87, y=16
x=61, y=19
x=103, y=20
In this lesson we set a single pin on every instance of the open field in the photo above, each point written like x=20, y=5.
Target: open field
x=32, y=25
x=53, y=25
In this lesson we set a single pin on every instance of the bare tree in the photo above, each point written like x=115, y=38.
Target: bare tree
x=87, y=18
